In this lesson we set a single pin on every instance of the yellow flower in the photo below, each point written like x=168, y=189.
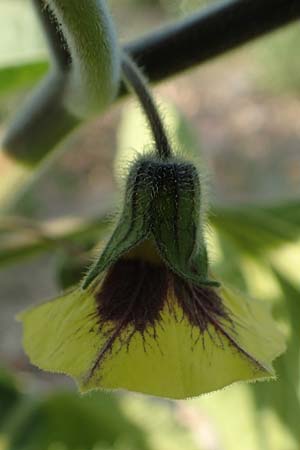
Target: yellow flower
x=146, y=317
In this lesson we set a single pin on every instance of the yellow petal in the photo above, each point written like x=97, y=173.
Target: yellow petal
x=62, y=336
x=57, y=334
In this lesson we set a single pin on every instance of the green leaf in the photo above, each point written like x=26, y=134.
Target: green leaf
x=72, y=262
x=50, y=236
x=22, y=76
x=282, y=397
x=278, y=66
x=258, y=229
x=225, y=260
x=9, y=394
x=72, y=423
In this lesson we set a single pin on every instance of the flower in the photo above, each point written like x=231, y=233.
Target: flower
x=147, y=317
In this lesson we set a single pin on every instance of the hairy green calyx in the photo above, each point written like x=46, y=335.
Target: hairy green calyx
x=162, y=203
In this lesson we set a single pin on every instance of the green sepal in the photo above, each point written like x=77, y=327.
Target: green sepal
x=177, y=220
x=133, y=225
x=162, y=201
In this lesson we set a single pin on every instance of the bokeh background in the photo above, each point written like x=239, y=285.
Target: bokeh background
x=241, y=114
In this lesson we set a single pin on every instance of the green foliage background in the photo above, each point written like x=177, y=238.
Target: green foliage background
x=255, y=247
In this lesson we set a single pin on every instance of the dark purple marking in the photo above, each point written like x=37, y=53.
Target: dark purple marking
x=134, y=294
x=200, y=304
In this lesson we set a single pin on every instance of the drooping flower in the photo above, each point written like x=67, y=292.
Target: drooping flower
x=148, y=317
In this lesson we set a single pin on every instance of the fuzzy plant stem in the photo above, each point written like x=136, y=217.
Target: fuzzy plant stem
x=83, y=81
x=135, y=80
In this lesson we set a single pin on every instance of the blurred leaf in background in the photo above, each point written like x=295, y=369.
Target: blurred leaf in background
x=256, y=228
x=20, y=76
x=38, y=422
x=9, y=393
x=72, y=422
x=63, y=420
x=22, y=48
x=282, y=398
x=278, y=58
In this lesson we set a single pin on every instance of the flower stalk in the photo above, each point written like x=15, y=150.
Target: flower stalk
x=137, y=83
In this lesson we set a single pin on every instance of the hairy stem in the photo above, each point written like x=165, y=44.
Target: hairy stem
x=83, y=81
x=61, y=58
x=88, y=34
x=135, y=80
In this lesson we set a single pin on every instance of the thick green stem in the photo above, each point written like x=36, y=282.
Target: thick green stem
x=74, y=90
x=91, y=41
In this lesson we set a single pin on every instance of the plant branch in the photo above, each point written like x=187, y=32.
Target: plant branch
x=209, y=33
